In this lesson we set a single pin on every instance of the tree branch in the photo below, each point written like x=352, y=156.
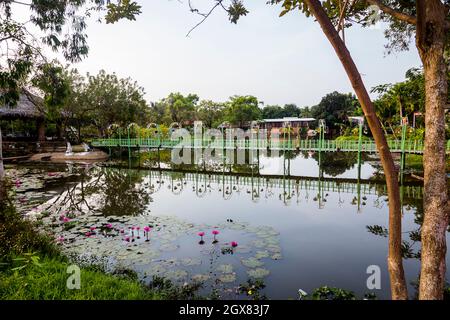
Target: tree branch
x=394, y=13
x=421, y=24
x=204, y=15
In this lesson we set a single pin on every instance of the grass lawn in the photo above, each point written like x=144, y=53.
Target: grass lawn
x=47, y=281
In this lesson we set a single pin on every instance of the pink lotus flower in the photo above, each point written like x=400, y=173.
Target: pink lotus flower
x=146, y=232
x=234, y=244
x=127, y=239
x=92, y=228
x=88, y=234
x=109, y=226
x=215, y=233
x=201, y=234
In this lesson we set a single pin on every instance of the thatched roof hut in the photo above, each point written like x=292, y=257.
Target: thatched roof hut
x=29, y=106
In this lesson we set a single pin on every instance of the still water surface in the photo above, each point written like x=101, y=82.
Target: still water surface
x=299, y=231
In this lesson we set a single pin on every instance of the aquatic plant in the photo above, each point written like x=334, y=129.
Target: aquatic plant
x=201, y=235
x=146, y=232
x=137, y=230
x=215, y=233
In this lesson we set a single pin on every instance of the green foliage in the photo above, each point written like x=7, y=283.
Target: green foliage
x=47, y=281
x=61, y=26
x=50, y=78
x=169, y=291
x=27, y=260
x=402, y=98
x=398, y=33
x=378, y=230
x=105, y=99
x=252, y=288
x=336, y=163
x=179, y=108
x=328, y=293
x=124, y=9
x=335, y=108
x=210, y=113
x=19, y=236
x=242, y=109
x=275, y=111
x=236, y=10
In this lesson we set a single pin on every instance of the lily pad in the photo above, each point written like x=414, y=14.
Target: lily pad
x=258, y=273
x=252, y=262
x=200, y=277
x=176, y=275
x=262, y=254
x=227, y=278
x=225, y=268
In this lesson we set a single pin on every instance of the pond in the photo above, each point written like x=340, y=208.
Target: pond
x=287, y=221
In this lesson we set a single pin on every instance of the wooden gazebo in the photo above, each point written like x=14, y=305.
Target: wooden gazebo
x=28, y=108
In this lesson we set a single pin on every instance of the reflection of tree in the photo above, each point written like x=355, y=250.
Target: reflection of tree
x=336, y=163
x=123, y=193
x=119, y=191
x=412, y=238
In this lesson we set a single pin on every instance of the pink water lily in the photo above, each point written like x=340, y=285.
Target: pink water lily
x=65, y=220
x=201, y=234
x=137, y=229
x=92, y=228
x=234, y=244
x=146, y=232
x=122, y=231
x=215, y=233
x=88, y=234
x=127, y=239
x=109, y=226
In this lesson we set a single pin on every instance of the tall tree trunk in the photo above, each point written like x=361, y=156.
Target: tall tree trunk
x=395, y=262
x=2, y=173
x=430, y=40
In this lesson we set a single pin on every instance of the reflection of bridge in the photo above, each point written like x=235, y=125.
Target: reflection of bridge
x=285, y=186
x=408, y=146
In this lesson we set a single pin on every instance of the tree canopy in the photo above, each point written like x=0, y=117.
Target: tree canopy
x=62, y=26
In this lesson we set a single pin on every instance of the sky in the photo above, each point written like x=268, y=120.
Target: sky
x=279, y=60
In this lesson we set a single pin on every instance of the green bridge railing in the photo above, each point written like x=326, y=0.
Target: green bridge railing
x=408, y=146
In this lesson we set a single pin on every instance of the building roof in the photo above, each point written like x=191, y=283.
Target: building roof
x=289, y=119
x=28, y=106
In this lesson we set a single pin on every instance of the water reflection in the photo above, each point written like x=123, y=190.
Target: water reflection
x=324, y=224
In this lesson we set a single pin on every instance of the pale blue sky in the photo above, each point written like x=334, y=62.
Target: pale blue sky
x=279, y=60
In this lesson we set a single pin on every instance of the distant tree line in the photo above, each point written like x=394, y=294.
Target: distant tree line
x=88, y=105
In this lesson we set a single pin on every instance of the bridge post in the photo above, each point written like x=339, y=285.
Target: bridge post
x=360, y=132
x=403, y=157
x=129, y=142
x=120, y=142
